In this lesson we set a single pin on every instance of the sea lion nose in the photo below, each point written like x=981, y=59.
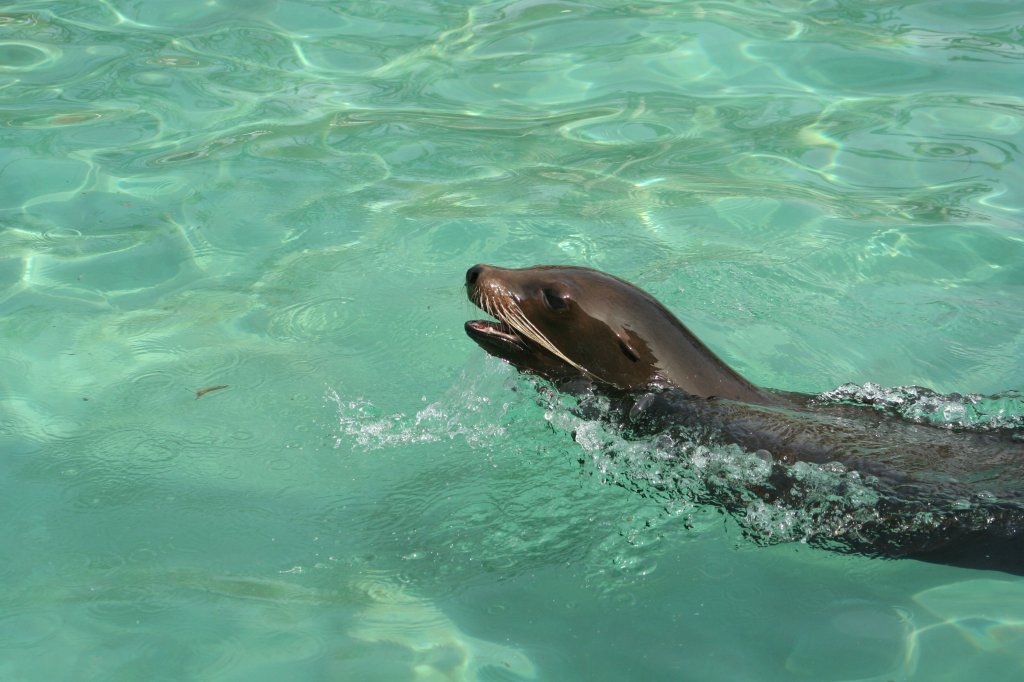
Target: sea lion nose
x=473, y=274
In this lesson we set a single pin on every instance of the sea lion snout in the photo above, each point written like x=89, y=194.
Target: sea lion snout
x=473, y=274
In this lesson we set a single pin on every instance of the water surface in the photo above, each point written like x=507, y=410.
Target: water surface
x=281, y=198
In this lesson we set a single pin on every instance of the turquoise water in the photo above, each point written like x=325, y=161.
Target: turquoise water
x=281, y=198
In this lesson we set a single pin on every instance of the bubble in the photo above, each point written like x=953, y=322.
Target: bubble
x=970, y=412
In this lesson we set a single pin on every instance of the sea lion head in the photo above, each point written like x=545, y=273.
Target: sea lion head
x=554, y=321
x=565, y=322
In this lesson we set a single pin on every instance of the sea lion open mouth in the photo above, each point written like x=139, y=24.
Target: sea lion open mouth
x=489, y=333
x=496, y=333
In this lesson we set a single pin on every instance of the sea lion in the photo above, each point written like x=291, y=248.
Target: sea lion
x=942, y=495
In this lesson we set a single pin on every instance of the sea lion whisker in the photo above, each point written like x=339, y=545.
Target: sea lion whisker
x=516, y=319
x=494, y=307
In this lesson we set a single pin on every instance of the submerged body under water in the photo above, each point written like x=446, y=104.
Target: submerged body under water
x=874, y=483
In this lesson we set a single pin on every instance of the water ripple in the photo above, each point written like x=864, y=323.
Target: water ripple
x=38, y=420
x=323, y=318
x=268, y=195
x=20, y=20
x=18, y=56
x=25, y=627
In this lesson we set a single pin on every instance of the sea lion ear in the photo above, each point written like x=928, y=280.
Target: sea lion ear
x=627, y=349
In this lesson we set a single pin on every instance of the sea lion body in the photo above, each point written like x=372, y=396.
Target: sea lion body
x=942, y=494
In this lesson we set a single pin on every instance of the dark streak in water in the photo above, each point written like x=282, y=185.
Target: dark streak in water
x=203, y=391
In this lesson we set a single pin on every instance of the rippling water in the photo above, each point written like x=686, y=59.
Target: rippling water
x=279, y=199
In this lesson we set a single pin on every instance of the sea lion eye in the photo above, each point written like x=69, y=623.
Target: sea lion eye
x=554, y=301
x=628, y=351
